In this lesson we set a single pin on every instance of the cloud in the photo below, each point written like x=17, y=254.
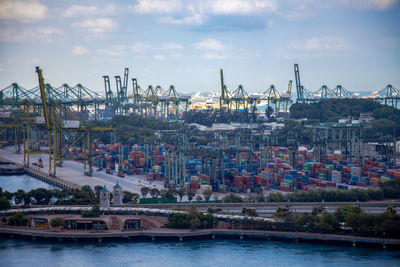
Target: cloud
x=43, y=33
x=112, y=51
x=241, y=7
x=209, y=44
x=22, y=10
x=194, y=19
x=364, y=4
x=140, y=48
x=159, y=57
x=170, y=48
x=212, y=48
x=326, y=43
x=77, y=10
x=97, y=26
x=212, y=55
x=156, y=6
x=79, y=50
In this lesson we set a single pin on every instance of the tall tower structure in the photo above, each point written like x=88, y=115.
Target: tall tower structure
x=117, y=195
x=104, y=198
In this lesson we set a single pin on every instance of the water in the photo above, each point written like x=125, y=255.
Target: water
x=12, y=183
x=191, y=253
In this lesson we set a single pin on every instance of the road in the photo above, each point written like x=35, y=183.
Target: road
x=72, y=171
x=267, y=209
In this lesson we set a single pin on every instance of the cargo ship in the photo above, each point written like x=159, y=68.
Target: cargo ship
x=9, y=168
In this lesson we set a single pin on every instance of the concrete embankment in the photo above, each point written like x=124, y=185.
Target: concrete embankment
x=56, y=181
x=181, y=235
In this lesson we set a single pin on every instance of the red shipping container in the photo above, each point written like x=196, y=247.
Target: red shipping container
x=331, y=184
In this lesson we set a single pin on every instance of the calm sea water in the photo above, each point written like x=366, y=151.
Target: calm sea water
x=12, y=183
x=191, y=253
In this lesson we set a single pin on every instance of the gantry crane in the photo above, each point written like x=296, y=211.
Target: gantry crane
x=57, y=129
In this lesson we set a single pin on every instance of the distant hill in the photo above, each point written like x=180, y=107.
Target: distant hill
x=386, y=119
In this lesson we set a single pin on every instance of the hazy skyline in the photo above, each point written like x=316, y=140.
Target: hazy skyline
x=355, y=43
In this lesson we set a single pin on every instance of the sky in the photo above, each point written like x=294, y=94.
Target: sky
x=354, y=43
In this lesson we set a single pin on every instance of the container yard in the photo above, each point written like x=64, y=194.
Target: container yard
x=235, y=148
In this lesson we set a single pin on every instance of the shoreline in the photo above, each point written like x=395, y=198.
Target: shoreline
x=162, y=234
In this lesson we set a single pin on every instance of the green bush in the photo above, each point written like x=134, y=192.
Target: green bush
x=57, y=222
x=94, y=212
x=18, y=220
x=4, y=204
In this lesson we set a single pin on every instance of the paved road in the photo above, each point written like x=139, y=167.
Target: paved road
x=72, y=171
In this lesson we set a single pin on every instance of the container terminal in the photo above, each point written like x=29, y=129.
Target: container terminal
x=239, y=149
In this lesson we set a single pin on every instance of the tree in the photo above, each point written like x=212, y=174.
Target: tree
x=93, y=212
x=154, y=192
x=258, y=190
x=41, y=196
x=199, y=198
x=19, y=196
x=18, y=220
x=144, y=190
x=342, y=212
x=88, y=190
x=232, y=198
x=207, y=194
x=4, y=204
x=135, y=198
x=181, y=193
x=329, y=223
x=190, y=195
x=57, y=222
x=127, y=197
x=195, y=223
x=170, y=193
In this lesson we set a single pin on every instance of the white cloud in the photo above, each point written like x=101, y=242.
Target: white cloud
x=22, y=10
x=140, y=48
x=44, y=33
x=156, y=6
x=112, y=51
x=212, y=48
x=326, y=43
x=209, y=44
x=80, y=50
x=77, y=10
x=212, y=55
x=169, y=47
x=194, y=19
x=172, y=46
x=97, y=26
x=159, y=57
x=241, y=7
x=369, y=4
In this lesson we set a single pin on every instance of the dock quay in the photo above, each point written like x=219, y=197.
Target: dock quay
x=56, y=181
x=181, y=235
x=50, y=180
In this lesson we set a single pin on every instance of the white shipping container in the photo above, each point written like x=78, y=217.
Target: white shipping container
x=5, y=114
x=283, y=184
x=40, y=120
x=205, y=187
x=195, y=178
x=70, y=124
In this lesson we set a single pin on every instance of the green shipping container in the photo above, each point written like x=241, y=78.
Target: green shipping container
x=328, y=167
x=307, y=166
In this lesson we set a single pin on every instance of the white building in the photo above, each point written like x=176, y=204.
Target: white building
x=117, y=195
x=104, y=198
